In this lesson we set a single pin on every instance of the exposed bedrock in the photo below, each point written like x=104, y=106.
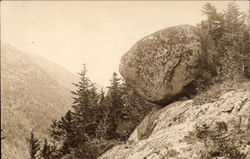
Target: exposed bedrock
x=172, y=132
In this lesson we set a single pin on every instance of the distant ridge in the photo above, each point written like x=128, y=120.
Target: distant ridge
x=33, y=93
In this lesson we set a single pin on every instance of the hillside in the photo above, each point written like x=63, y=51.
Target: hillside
x=218, y=128
x=202, y=97
x=31, y=96
x=55, y=71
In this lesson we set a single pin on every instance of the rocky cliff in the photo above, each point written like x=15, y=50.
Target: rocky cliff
x=185, y=130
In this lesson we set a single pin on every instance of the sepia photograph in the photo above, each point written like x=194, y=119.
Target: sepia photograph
x=125, y=79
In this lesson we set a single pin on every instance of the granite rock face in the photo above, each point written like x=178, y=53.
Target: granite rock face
x=172, y=132
x=162, y=66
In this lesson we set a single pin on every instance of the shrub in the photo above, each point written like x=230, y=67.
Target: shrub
x=219, y=141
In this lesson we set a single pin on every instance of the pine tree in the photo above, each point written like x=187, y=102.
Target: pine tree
x=101, y=100
x=55, y=133
x=67, y=126
x=83, y=112
x=46, y=150
x=94, y=96
x=233, y=41
x=246, y=37
x=228, y=31
x=115, y=93
x=102, y=115
x=210, y=11
x=34, y=146
x=81, y=104
x=214, y=24
x=134, y=106
x=134, y=109
x=114, y=96
x=234, y=18
x=234, y=28
x=93, y=111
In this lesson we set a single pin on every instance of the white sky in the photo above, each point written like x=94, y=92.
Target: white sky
x=94, y=33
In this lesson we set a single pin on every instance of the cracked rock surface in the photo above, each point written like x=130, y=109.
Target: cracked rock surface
x=171, y=132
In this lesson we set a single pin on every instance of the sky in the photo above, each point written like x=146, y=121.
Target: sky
x=96, y=33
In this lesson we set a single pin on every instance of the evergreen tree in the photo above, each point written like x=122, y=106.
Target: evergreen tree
x=210, y=11
x=67, y=128
x=94, y=96
x=81, y=104
x=55, y=133
x=134, y=106
x=115, y=93
x=234, y=18
x=102, y=115
x=234, y=26
x=46, y=150
x=93, y=112
x=34, y=146
x=230, y=35
x=246, y=37
x=214, y=24
x=114, y=96
x=101, y=100
x=84, y=103
x=233, y=41
x=134, y=109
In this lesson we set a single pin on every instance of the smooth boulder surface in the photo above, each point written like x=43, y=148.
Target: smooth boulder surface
x=162, y=66
x=171, y=132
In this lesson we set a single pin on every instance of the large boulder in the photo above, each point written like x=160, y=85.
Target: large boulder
x=163, y=65
x=219, y=128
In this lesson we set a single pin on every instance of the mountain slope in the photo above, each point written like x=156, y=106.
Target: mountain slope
x=184, y=130
x=55, y=71
x=30, y=98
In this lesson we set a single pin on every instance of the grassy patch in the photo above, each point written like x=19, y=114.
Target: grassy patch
x=217, y=86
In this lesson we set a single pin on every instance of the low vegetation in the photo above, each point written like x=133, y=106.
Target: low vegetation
x=219, y=141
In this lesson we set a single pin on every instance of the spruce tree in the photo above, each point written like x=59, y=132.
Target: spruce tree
x=229, y=32
x=114, y=97
x=81, y=104
x=115, y=93
x=101, y=100
x=102, y=118
x=233, y=40
x=214, y=23
x=46, y=150
x=210, y=11
x=82, y=114
x=55, y=133
x=93, y=111
x=94, y=96
x=68, y=128
x=234, y=18
x=34, y=146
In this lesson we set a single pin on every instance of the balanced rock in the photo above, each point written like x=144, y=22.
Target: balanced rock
x=162, y=66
